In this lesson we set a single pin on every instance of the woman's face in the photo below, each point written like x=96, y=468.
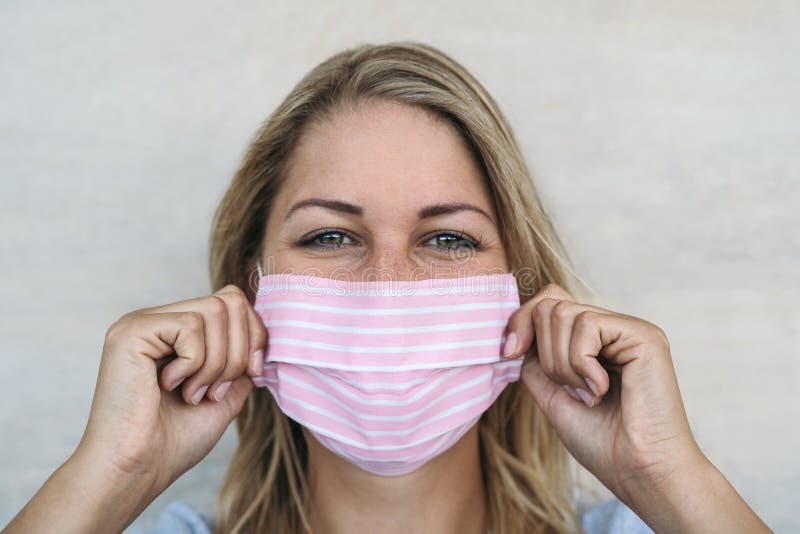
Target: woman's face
x=387, y=192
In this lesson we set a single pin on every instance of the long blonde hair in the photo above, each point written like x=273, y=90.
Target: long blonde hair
x=526, y=469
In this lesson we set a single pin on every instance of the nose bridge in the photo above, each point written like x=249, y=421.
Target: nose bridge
x=390, y=260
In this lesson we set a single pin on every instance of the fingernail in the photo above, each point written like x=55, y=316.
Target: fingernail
x=257, y=362
x=571, y=392
x=511, y=345
x=587, y=399
x=221, y=390
x=593, y=387
x=176, y=384
x=199, y=394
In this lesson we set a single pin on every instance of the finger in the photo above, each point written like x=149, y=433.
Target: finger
x=215, y=322
x=217, y=416
x=520, y=331
x=569, y=369
x=617, y=338
x=214, y=311
x=584, y=348
x=173, y=333
x=258, y=342
x=214, y=314
x=544, y=340
x=238, y=341
x=562, y=317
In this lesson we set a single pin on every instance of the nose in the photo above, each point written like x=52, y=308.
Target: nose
x=392, y=263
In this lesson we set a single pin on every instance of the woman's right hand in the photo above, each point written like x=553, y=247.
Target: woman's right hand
x=158, y=425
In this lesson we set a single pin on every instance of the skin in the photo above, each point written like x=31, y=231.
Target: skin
x=366, y=156
x=628, y=426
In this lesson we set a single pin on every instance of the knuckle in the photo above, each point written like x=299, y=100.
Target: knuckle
x=116, y=329
x=236, y=367
x=192, y=320
x=540, y=310
x=206, y=374
x=128, y=315
x=259, y=341
x=216, y=306
x=561, y=310
x=215, y=366
x=238, y=355
x=577, y=361
x=121, y=327
x=231, y=288
x=557, y=292
x=573, y=357
x=585, y=319
x=259, y=334
x=660, y=335
x=237, y=301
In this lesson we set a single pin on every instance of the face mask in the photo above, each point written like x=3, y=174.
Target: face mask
x=386, y=374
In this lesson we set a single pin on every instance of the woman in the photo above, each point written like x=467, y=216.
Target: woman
x=389, y=159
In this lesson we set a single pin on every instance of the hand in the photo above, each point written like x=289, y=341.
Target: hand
x=203, y=347
x=638, y=433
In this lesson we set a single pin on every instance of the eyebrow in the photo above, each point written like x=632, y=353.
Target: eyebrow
x=442, y=208
x=336, y=205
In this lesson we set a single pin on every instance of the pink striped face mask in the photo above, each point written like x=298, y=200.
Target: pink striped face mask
x=386, y=374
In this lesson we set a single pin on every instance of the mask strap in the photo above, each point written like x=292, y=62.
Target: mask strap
x=260, y=269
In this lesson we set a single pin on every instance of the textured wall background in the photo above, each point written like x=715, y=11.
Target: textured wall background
x=665, y=141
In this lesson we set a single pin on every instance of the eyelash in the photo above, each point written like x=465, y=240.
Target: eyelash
x=460, y=236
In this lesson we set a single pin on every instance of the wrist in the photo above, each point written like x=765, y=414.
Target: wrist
x=694, y=496
x=664, y=496
x=85, y=494
x=110, y=497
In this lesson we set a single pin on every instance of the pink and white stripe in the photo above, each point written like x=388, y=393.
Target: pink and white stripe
x=386, y=374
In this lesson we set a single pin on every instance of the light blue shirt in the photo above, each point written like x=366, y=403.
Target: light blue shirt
x=610, y=517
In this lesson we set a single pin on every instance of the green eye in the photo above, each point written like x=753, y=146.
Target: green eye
x=328, y=239
x=451, y=241
x=442, y=241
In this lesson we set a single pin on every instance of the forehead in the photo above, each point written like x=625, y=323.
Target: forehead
x=386, y=149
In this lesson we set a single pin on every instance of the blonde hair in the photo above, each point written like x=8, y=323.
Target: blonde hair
x=526, y=469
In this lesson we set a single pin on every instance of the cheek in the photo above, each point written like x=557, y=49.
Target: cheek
x=496, y=257
x=496, y=262
x=466, y=263
x=490, y=259
x=278, y=257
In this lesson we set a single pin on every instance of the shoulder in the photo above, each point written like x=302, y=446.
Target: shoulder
x=178, y=518
x=612, y=516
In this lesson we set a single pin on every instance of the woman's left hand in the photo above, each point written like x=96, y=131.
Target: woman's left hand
x=606, y=382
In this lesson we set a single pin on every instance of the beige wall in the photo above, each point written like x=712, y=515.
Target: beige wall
x=664, y=139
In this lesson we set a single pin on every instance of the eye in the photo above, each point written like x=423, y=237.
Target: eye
x=327, y=239
x=452, y=241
